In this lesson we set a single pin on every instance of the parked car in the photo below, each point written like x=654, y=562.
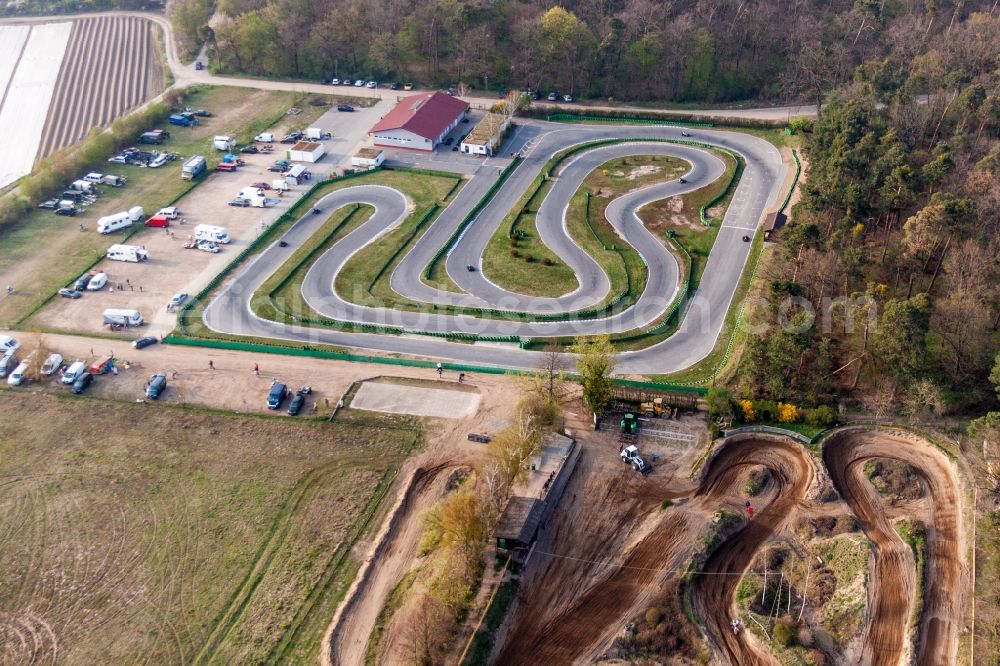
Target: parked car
x=158, y=161
x=293, y=137
x=82, y=382
x=82, y=281
x=372, y=84
x=8, y=345
x=70, y=293
x=170, y=212
x=73, y=372
x=359, y=83
x=178, y=298
x=16, y=377
x=49, y=204
x=295, y=406
x=567, y=98
x=394, y=86
x=553, y=96
x=345, y=107
x=239, y=202
x=199, y=66
x=208, y=246
x=334, y=81
x=203, y=113
x=157, y=385
x=142, y=343
x=51, y=364
x=407, y=86
x=66, y=211
x=276, y=395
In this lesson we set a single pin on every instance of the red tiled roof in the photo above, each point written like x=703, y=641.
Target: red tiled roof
x=426, y=115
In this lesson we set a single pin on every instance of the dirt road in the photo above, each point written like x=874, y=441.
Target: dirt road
x=891, y=593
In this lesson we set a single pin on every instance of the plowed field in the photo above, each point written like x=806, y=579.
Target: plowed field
x=111, y=65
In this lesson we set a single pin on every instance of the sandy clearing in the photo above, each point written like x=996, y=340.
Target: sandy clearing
x=26, y=106
x=400, y=399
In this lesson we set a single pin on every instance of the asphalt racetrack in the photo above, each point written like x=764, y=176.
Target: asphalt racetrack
x=758, y=189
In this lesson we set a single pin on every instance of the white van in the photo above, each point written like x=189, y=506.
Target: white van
x=130, y=318
x=224, y=143
x=15, y=378
x=94, y=177
x=73, y=372
x=264, y=137
x=109, y=223
x=132, y=253
x=170, y=212
x=83, y=186
x=52, y=363
x=97, y=282
x=211, y=233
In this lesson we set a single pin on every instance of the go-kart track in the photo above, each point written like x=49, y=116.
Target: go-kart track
x=758, y=190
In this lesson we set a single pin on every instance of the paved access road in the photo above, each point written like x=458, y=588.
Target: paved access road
x=758, y=188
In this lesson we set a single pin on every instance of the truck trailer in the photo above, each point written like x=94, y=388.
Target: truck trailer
x=193, y=168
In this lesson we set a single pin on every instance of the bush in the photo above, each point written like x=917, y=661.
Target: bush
x=747, y=408
x=546, y=262
x=666, y=503
x=787, y=412
x=530, y=258
x=515, y=254
x=783, y=634
x=823, y=416
x=653, y=616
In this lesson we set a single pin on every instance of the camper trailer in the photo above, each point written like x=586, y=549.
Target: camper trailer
x=109, y=223
x=119, y=317
x=132, y=253
x=212, y=233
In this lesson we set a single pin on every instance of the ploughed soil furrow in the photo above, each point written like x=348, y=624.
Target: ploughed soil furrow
x=66, y=82
x=891, y=592
x=111, y=66
x=714, y=588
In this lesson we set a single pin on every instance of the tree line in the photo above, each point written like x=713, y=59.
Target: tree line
x=899, y=224
x=702, y=51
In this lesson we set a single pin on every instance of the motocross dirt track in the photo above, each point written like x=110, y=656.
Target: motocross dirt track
x=631, y=550
x=891, y=594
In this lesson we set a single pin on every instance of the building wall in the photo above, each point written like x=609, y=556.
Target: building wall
x=402, y=139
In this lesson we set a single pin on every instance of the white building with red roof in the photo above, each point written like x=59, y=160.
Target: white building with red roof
x=419, y=122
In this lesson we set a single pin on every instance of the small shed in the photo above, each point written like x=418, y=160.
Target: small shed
x=295, y=174
x=306, y=151
x=772, y=223
x=486, y=136
x=368, y=158
x=518, y=525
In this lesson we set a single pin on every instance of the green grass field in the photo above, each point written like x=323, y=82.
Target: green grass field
x=173, y=534
x=45, y=252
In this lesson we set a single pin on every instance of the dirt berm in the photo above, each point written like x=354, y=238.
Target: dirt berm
x=890, y=595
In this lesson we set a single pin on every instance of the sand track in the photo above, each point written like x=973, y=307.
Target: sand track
x=793, y=471
x=891, y=594
x=581, y=587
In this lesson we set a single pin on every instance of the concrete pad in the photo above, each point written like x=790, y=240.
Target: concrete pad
x=417, y=400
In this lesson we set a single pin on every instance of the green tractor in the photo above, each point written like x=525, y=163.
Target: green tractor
x=629, y=424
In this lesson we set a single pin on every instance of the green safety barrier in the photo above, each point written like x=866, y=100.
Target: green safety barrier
x=576, y=118
x=428, y=214
x=388, y=360
x=795, y=180
x=472, y=215
x=737, y=173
